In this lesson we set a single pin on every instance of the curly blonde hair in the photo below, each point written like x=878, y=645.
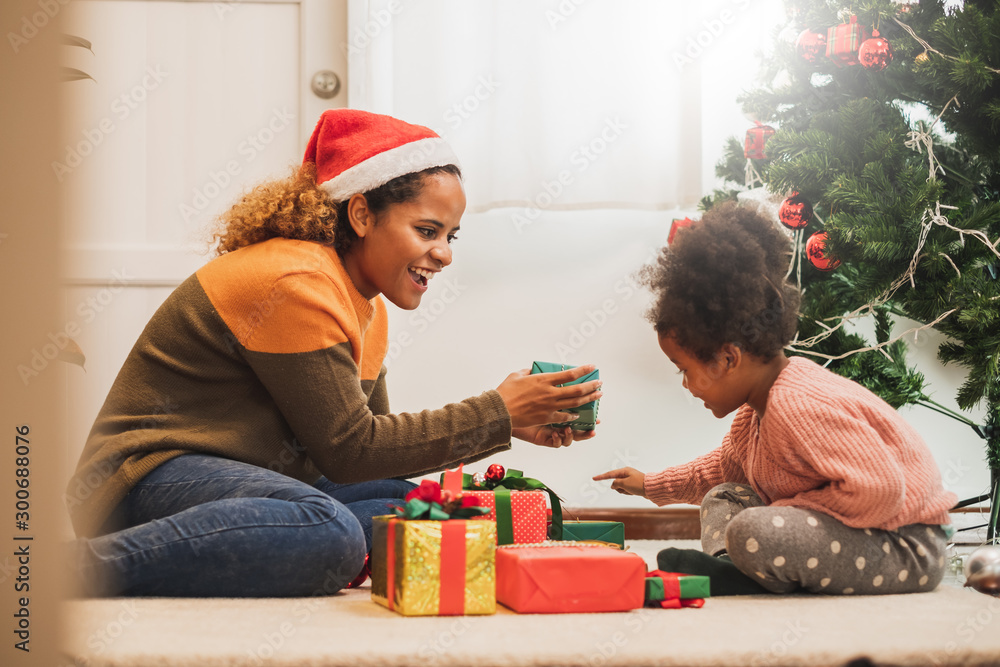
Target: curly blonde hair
x=293, y=208
x=297, y=208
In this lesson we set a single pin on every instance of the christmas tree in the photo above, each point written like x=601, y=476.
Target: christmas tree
x=888, y=126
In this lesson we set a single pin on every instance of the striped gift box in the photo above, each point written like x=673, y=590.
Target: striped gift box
x=843, y=42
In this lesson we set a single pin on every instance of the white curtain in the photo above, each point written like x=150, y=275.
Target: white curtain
x=563, y=104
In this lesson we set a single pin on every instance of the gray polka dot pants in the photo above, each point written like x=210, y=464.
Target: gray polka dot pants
x=787, y=548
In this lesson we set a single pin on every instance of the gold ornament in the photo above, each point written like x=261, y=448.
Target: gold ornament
x=922, y=58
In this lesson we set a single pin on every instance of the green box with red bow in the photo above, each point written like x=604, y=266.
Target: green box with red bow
x=588, y=411
x=516, y=503
x=673, y=590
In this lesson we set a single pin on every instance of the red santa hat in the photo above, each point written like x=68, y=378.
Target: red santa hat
x=357, y=151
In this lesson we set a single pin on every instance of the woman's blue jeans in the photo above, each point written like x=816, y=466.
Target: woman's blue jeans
x=206, y=526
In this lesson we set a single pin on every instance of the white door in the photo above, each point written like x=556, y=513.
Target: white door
x=190, y=104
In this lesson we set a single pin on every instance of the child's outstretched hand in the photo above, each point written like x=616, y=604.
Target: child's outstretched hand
x=628, y=481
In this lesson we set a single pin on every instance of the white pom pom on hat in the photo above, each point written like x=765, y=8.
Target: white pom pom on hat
x=356, y=151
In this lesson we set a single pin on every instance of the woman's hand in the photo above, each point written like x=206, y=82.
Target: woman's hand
x=536, y=400
x=547, y=436
x=627, y=481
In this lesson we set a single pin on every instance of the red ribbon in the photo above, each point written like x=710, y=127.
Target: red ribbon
x=452, y=597
x=672, y=592
x=453, y=480
x=452, y=568
x=390, y=555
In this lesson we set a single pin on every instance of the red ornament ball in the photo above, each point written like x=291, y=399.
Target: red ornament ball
x=495, y=473
x=795, y=212
x=875, y=53
x=366, y=572
x=816, y=252
x=811, y=46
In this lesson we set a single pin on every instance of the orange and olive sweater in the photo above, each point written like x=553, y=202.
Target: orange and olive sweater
x=269, y=355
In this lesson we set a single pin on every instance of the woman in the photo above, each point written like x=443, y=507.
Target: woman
x=247, y=441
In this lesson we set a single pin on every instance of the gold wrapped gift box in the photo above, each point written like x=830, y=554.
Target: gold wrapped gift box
x=407, y=572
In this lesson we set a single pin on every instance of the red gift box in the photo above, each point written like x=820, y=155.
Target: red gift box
x=527, y=515
x=756, y=138
x=843, y=42
x=569, y=579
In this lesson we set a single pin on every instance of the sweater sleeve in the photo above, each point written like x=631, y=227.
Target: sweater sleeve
x=859, y=479
x=319, y=393
x=378, y=402
x=689, y=482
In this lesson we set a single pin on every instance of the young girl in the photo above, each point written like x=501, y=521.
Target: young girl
x=819, y=484
x=242, y=448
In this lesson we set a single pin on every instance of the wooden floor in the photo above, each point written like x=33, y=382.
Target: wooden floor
x=684, y=524
x=644, y=524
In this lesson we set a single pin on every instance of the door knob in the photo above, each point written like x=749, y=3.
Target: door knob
x=325, y=84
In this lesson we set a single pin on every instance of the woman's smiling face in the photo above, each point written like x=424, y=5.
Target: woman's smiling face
x=404, y=246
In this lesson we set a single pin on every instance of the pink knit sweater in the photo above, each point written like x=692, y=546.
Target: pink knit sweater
x=825, y=443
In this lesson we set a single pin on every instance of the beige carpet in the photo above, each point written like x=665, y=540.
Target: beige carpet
x=950, y=626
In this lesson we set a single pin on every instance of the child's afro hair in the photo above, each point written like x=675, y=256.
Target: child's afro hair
x=722, y=281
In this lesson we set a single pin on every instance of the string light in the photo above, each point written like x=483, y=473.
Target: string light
x=928, y=47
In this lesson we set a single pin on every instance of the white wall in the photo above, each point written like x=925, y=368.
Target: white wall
x=560, y=291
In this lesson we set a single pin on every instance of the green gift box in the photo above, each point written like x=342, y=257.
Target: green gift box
x=601, y=531
x=588, y=411
x=671, y=585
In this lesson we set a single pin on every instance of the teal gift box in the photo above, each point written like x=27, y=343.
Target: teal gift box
x=588, y=411
x=600, y=531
